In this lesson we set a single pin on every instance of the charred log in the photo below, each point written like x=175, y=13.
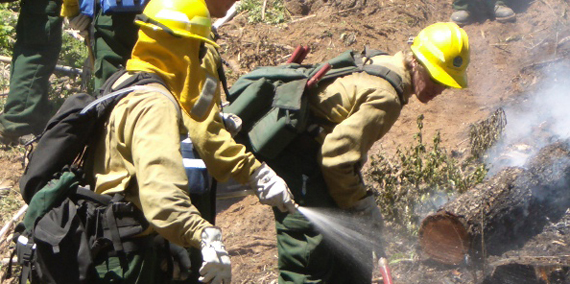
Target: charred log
x=502, y=213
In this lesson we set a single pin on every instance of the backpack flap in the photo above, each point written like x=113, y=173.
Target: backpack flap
x=59, y=145
x=49, y=196
x=288, y=117
x=270, y=135
x=61, y=242
x=257, y=96
x=123, y=6
x=87, y=7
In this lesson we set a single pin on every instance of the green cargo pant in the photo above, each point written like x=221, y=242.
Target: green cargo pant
x=304, y=256
x=469, y=5
x=34, y=58
x=113, y=40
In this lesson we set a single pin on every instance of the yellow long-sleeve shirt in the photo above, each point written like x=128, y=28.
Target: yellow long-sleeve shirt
x=362, y=109
x=139, y=154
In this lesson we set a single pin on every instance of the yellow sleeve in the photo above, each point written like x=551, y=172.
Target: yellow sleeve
x=221, y=154
x=365, y=109
x=70, y=8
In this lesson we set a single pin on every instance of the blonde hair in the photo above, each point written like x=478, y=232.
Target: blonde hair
x=408, y=58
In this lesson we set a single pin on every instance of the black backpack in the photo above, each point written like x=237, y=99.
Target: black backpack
x=67, y=224
x=272, y=100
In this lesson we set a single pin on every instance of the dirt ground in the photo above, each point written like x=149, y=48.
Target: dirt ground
x=508, y=61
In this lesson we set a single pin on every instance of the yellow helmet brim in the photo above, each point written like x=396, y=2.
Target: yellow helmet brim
x=452, y=79
x=178, y=33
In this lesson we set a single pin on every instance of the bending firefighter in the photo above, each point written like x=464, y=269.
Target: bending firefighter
x=323, y=169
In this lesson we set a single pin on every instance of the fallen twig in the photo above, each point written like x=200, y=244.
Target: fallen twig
x=541, y=63
x=304, y=18
x=263, y=10
x=229, y=15
x=60, y=68
x=14, y=219
x=538, y=44
x=563, y=40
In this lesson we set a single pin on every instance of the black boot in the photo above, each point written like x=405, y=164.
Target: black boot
x=504, y=14
x=461, y=17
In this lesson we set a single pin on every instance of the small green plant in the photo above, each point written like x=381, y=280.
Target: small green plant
x=274, y=11
x=73, y=52
x=8, y=19
x=420, y=175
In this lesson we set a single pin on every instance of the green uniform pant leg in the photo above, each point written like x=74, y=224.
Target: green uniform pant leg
x=304, y=255
x=114, y=39
x=34, y=58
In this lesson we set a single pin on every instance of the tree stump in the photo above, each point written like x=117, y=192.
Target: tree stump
x=503, y=212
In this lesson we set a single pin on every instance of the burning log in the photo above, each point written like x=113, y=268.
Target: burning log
x=503, y=212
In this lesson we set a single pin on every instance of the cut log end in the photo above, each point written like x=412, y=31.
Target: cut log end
x=444, y=238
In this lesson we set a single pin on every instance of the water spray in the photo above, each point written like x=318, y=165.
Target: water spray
x=350, y=234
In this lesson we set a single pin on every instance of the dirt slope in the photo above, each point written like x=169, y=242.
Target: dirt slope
x=506, y=61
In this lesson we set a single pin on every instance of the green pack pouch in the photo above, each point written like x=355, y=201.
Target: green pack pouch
x=287, y=118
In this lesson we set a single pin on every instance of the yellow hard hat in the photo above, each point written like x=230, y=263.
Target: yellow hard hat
x=443, y=48
x=184, y=18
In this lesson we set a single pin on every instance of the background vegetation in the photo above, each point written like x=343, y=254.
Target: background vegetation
x=419, y=179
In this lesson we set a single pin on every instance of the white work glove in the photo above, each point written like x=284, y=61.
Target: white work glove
x=232, y=122
x=216, y=267
x=80, y=23
x=272, y=189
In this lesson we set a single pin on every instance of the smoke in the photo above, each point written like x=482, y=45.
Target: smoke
x=536, y=119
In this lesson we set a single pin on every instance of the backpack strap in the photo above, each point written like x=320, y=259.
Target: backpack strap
x=383, y=72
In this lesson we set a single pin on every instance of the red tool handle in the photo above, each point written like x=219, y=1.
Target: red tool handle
x=295, y=56
x=302, y=56
x=318, y=76
x=386, y=276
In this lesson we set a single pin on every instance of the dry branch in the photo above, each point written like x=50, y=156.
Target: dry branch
x=12, y=221
x=60, y=68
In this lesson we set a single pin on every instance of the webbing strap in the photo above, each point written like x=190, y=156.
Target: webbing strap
x=126, y=90
x=394, y=79
x=114, y=229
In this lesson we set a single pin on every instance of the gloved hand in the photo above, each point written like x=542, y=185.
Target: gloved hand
x=232, y=122
x=80, y=23
x=368, y=210
x=272, y=189
x=216, y=267
x=180, y=260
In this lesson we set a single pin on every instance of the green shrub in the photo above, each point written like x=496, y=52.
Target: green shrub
x=420, y=178
x=274, y=11
x=73, y=52
x=8, y=19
